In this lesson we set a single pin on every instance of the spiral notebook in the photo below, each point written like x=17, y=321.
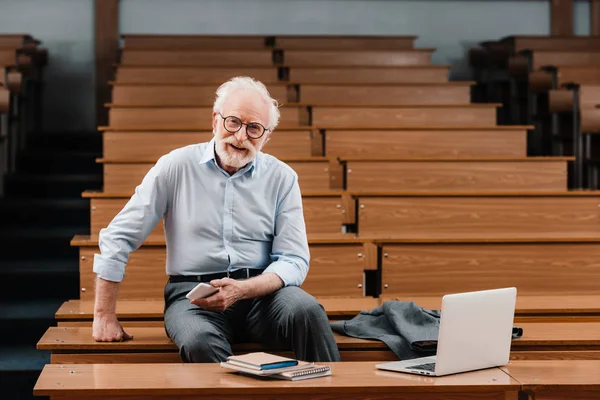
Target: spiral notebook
x=316, y=371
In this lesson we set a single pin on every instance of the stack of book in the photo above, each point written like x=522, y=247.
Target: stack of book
x=265, y=364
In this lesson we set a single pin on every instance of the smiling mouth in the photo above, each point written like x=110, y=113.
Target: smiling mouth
x=237, y=148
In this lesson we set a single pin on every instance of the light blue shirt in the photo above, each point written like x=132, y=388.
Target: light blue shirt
x=213, y=222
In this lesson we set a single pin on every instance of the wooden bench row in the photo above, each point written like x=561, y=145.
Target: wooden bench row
x=527, y=174
x=256, y=42
x=268, y=58
x=409, y=267
x=431, y=215
x=529, y=308
x=192, y=117
x=444, y=143
x=210, y=75
x=523, y=379
x=541, y=340
x=152, y=94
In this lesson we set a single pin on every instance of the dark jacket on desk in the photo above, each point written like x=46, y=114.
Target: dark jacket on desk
x=410, y=331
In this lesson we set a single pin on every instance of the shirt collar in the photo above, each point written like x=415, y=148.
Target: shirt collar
x=209, y=154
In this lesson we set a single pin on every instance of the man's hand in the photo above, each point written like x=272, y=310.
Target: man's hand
x=229, y=292
x=106, y=328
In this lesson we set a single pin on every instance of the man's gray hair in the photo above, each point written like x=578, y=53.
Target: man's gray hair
x=247, y=83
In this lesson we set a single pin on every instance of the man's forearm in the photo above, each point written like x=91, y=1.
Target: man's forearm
x=106, y=297
x=262, y=285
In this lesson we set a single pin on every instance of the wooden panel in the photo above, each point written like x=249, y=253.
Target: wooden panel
x=565, y=42
x=589, y=95
x=335, y=270
x=124, y=177
x=385, y=95
x=299, y=58
x=106, y=38
x=186, y=117
x=145, y=274
x=102, y=212
x=323, y=215
x=560, y=58
x=152, y=145
x=561, y=17
x=391, y=117
x=225, y=58
x=369, y=75
x=192, y=75
x=194, y=42
x=578, y=74
x=534, y=268
x=426, y=143
x=312, y=176
x=479, y=217
x=457, y=176
x=344, y=42
x=179, y=95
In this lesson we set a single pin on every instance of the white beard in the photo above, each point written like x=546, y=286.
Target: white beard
x=234, y=158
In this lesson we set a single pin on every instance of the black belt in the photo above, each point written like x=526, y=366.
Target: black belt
x=244, y=273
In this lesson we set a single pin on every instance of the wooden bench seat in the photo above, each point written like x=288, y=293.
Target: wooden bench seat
x=479, y=215
x=349, y=380
x=14, y=58
x=529, y=174
x=355, y=58
x=324, y=212
x=537, y=268
x=186, y=117
x=527, y=61
x=542, y=340
x=372, y=116
x=553, y=77
x=206, y=58
x=314, y=173
x=191, y=75
x=146, y=312
x=386, y=93
x=345, y=42
x=159, y=94
x=373, y=74
x=529, y=308
x=152, y=144
x=442, y=142
x=565, y=98
x=194, y=42
x=342, y=260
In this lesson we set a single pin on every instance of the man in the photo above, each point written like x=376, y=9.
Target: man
x=233, y=217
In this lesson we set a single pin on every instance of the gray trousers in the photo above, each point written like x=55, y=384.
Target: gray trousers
x=287, y=319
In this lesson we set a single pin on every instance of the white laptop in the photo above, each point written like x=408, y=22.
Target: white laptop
x=475, y=333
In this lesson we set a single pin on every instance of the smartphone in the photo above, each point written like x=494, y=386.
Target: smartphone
x=201, y=291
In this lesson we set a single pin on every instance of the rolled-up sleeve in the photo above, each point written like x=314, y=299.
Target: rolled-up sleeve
x=132, y=225
x=290, y=255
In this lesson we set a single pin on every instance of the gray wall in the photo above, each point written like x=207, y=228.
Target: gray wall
x=452, y=27
x=66, y=29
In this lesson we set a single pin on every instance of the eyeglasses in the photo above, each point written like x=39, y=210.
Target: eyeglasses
x=232, y=124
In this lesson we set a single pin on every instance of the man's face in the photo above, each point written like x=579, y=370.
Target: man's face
x=235, y=150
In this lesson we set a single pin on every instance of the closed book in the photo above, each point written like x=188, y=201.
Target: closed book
x=266, y=372
x=262, y=361
x=315, y=371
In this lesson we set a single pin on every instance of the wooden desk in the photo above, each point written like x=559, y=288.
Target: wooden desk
x=349, y=380
x=565, y=379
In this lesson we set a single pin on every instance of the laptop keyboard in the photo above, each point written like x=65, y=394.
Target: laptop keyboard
x=424, y=367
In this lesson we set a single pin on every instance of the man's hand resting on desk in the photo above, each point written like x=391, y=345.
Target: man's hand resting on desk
x=107, y=328
x=229, y=292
